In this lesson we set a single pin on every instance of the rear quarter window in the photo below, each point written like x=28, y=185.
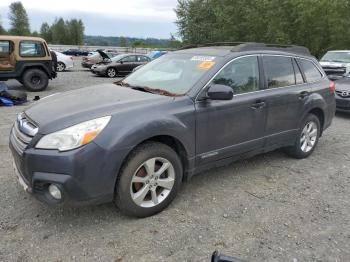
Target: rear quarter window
x=4, y=47
x=31, y=49
x=311, y=72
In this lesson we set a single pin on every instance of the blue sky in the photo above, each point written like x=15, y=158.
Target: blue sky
x=134, y=18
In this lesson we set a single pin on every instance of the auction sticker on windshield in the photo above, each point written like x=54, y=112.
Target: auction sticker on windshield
x=203, y=58
x=206, y=65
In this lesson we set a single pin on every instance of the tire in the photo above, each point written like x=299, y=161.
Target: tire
x=111, y=72
x=35, y=80
x=61, y=67
x=307, y=139
x=134, y=179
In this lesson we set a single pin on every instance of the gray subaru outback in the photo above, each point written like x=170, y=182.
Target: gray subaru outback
x=136, y=141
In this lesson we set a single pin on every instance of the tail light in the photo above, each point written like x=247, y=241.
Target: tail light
x=332, y=87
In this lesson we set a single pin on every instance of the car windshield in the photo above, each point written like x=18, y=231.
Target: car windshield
x=117, y=58
x=342, y=57
x=173, y=74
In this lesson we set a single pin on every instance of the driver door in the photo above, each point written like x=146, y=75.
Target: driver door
x=228, y=128
x=7, y=56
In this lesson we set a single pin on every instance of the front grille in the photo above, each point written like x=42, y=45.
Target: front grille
x=22, y=133
x=334, y=70
x=344, y=94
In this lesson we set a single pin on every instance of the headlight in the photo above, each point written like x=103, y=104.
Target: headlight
x=74, y=136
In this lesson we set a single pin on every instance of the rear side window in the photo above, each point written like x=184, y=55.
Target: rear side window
x=4, y=47
x=142, y=59
x=31, y=49
x=311, y=72
x=242, y=75
x=279, y=71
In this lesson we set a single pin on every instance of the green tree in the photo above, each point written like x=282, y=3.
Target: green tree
x=60, y=32
x=318, y=24
x=45, y=32
x=123, y=42
x=76, y=31
x=2, y=30
x=18, y=19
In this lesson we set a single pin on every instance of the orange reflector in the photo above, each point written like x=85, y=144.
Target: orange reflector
x=88, y=137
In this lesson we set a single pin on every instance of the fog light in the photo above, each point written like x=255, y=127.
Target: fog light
x=55, y=192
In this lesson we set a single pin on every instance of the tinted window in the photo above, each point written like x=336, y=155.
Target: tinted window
x=31, y=48
x=142, y=59
x=242, y=75
x=279, y=71
x=5, y=47
x=311, y=72
x=129, y=59
x=298, y=77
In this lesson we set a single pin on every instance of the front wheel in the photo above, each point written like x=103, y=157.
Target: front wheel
x=111, y=72
x=149, y=180
x=308, y=136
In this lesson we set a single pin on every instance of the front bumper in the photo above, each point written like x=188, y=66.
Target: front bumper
x=343, y=104
x=86, y=175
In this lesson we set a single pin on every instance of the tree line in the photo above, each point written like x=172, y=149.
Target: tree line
x=320, y=25
x=70, y=32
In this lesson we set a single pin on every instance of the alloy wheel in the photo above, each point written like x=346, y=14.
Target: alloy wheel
x=111, y=72
x=152, y=182
x=308, y=137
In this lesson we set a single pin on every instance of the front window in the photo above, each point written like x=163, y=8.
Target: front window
x=242, y=75
x=31, y=49
x=173, y=73
x=117, y=58
x=341, y=57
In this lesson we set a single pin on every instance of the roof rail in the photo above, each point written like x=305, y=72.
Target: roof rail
x=252, y=46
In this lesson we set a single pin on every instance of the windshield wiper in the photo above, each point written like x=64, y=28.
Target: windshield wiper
x=147, y=89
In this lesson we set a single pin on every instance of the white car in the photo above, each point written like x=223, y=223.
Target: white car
x=336, y=63
x=64, y=62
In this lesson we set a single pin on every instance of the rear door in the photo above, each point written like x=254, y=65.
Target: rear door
x=7, y=56
x=285, y=95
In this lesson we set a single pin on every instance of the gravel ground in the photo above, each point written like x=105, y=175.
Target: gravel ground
x=268, y=208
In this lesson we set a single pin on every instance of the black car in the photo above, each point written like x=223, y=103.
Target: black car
x=136, y=141
x=122, y=64
x=75, y=52
x=342, y=94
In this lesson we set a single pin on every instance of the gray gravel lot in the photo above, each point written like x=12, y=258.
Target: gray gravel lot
x=268, y=208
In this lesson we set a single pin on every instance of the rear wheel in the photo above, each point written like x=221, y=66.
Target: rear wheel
x=149, y=180
x=61, y=67
x=35, y=80
x=111, y=72
x=307, y=139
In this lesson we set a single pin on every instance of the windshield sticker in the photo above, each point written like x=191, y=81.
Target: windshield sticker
x=203, y=58
x=206, y=65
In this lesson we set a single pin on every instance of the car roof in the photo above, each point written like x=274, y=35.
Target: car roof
x=12, y=37
x=225, y=49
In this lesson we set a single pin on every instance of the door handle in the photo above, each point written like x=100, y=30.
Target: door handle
x=304, y=94
x=258, y=105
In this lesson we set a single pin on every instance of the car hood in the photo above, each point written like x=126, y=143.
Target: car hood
x=334, y=64
x=63, y=110
x=343, y=84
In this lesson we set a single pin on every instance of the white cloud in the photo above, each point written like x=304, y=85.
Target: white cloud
x=132, y=9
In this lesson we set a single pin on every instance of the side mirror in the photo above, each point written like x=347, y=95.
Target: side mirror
x=220, y=92
x=121, y=62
